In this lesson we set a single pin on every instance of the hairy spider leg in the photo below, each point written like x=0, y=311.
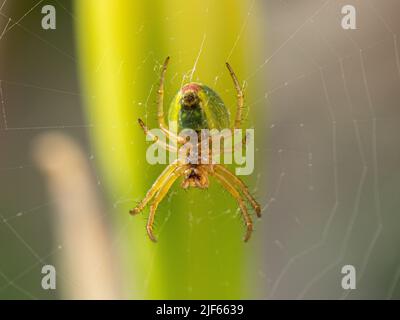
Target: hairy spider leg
x=163, y=144
x=160, y=196
x=155, y=187
x=242, y=187
x=231, y=189
x=240, y=98
x=160, y=104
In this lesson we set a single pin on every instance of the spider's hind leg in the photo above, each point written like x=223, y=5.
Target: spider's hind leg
x=240, y=97
x=155, y=138
x=160, y=106
x=236, y=181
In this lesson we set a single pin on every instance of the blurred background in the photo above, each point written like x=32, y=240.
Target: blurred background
x=324, y=103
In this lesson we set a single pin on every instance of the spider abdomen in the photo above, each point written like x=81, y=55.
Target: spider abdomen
x=193, y=118
x=197, y=106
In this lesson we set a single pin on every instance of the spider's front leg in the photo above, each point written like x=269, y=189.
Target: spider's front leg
x=160, y=195
x=155, y=187
x=231, y=189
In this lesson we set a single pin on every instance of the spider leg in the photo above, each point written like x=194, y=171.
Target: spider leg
x=240, y=98
x=235, y=147
x=155, y=187
x=228, y=186
x=160, y=196
x=163, y=144
x=236, y=181
x=160, y=106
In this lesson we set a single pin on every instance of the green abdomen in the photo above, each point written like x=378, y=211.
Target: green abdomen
x=211, y=114
x=192, y=119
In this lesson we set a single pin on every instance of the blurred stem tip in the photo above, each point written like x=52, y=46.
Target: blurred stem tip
x=87, y=264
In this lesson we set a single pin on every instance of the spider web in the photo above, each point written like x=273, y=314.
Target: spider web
x=327, y=166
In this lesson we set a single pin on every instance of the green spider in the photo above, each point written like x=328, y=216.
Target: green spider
x=196, y=107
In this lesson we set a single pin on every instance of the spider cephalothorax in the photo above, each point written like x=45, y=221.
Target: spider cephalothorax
x=195, y=176
x=196, y=107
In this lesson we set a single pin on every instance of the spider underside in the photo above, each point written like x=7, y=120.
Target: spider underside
x=195, y=175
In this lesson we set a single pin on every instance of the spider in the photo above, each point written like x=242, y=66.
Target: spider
x=196, y=107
